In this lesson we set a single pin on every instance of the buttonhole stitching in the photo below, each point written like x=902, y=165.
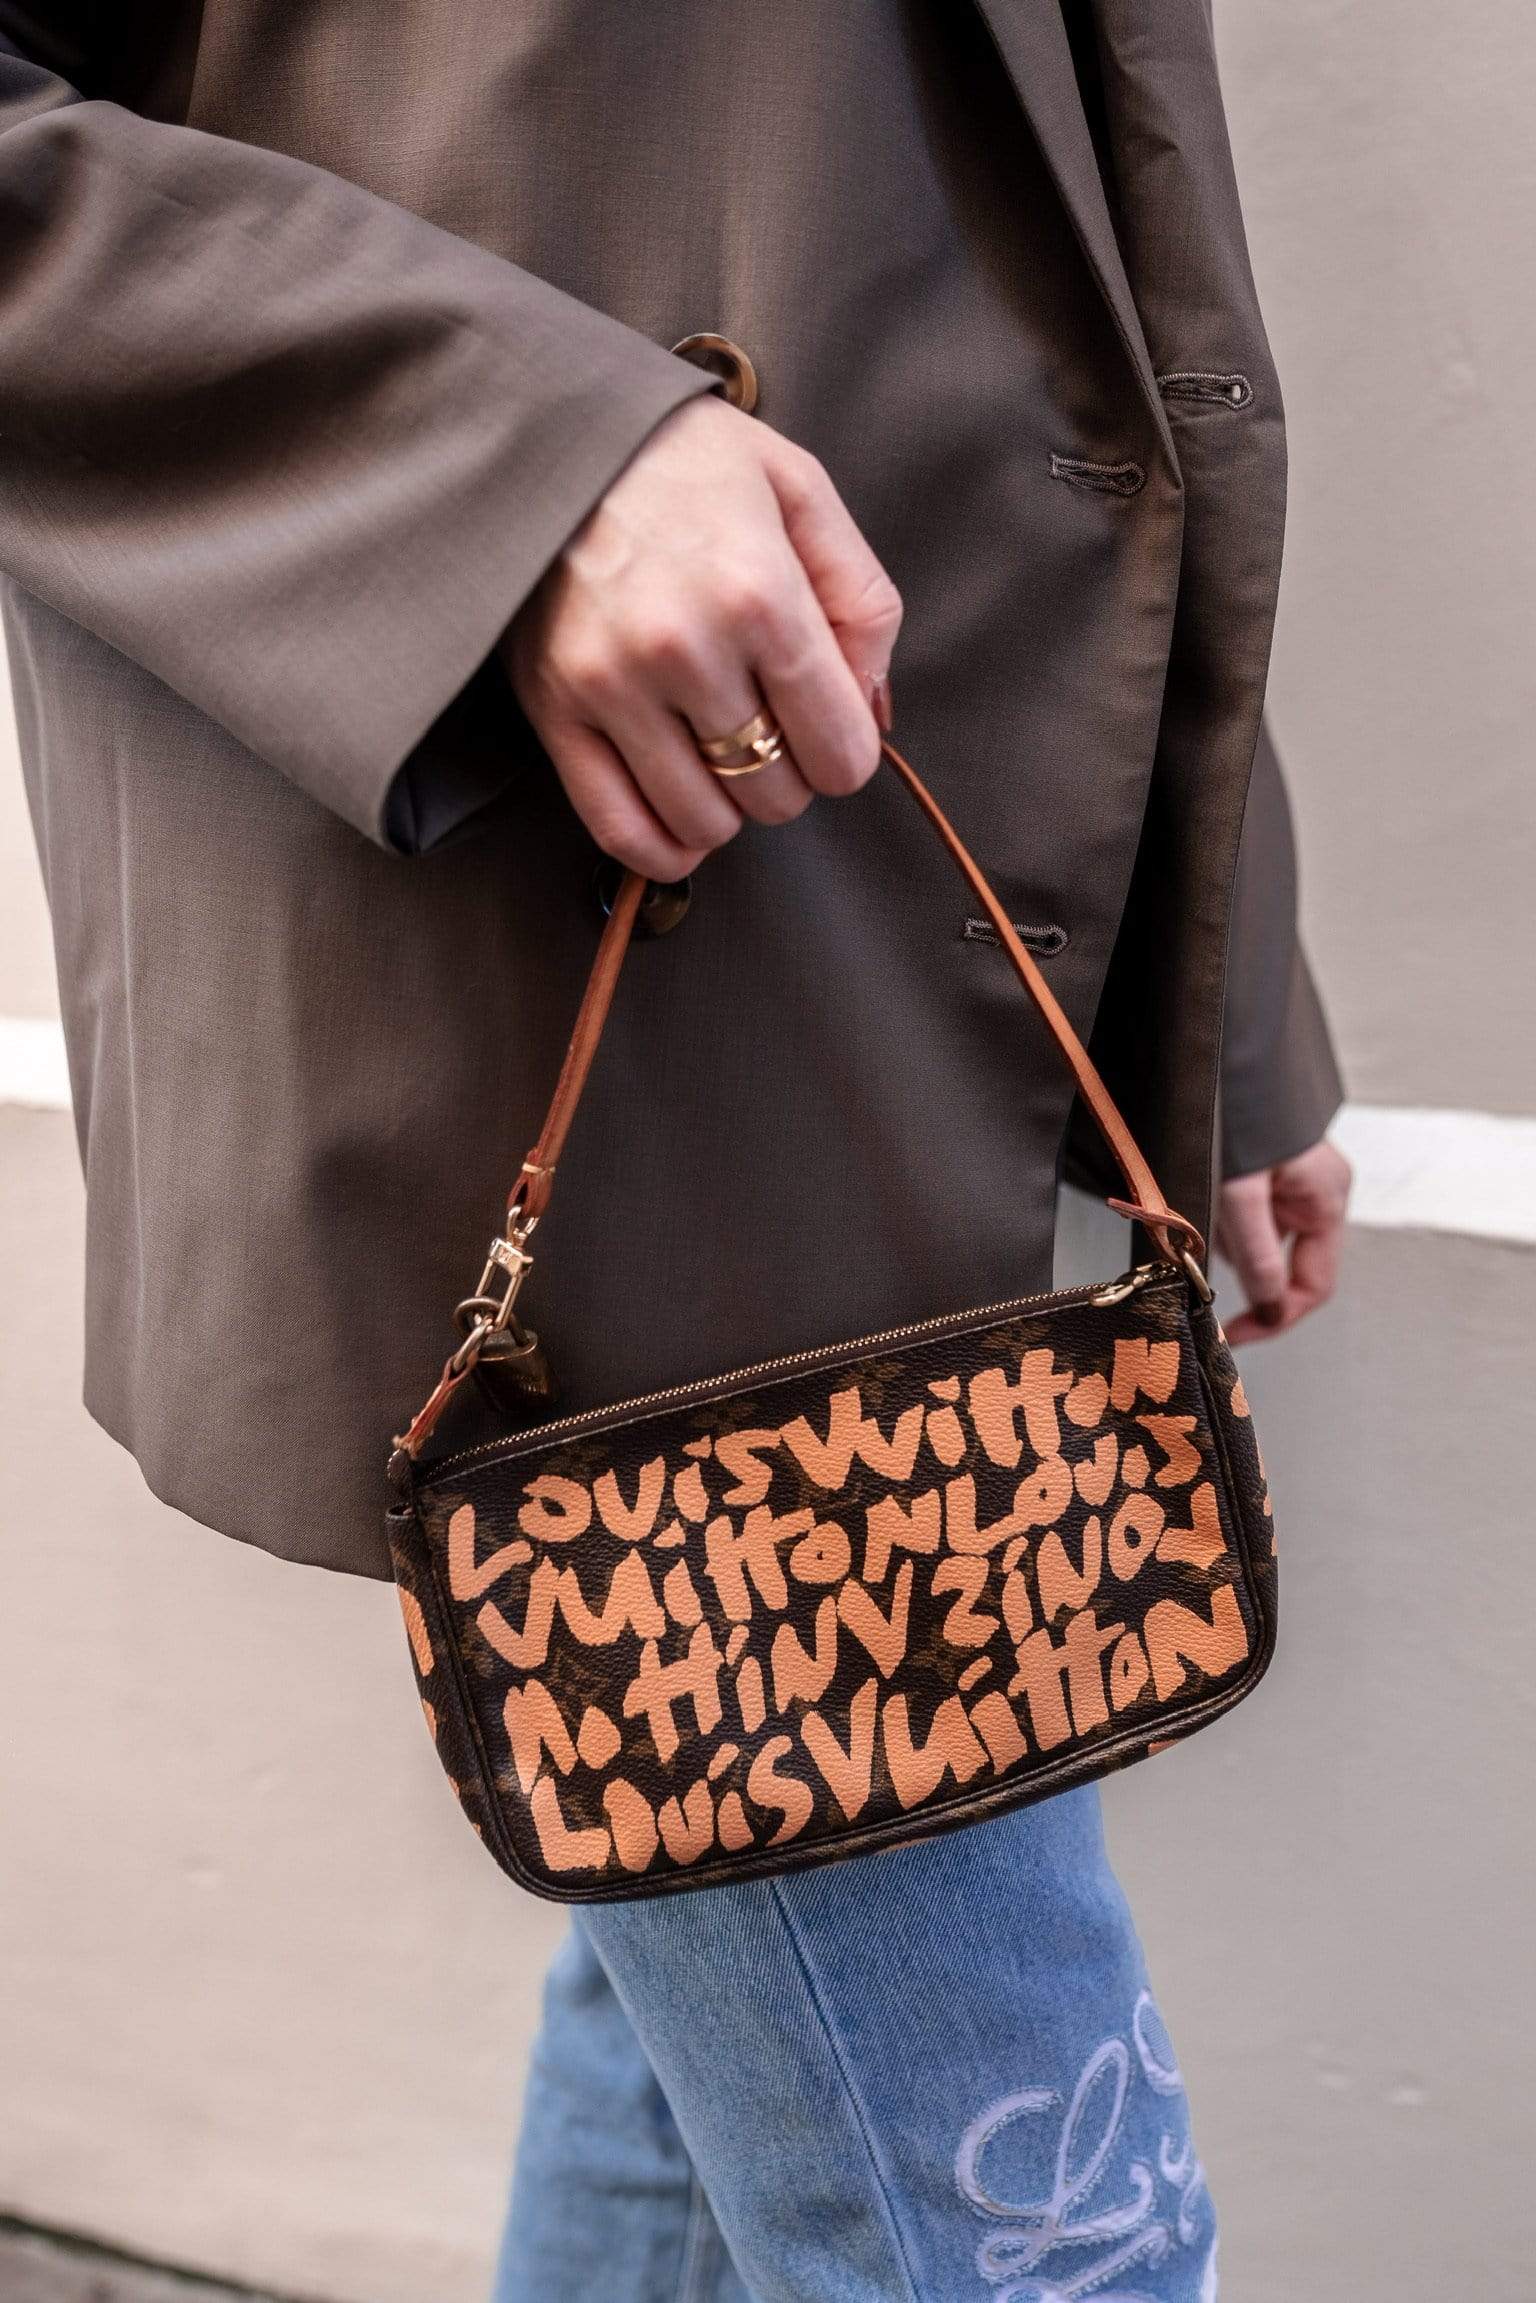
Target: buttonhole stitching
x=1126, y=479
x=1228, y=390
x=1047, y=941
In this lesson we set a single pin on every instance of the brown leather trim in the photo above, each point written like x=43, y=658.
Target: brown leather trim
x=529, y=1196
x=1151, y=1207
x=1172, y=1235
x=531, y=1193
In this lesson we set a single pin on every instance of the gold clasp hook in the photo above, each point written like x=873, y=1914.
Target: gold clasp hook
x=486, y=1313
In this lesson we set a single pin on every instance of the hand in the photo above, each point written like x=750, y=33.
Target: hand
x=1300, y=1205
x=721, y=573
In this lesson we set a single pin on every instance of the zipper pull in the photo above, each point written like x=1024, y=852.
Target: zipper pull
x=1127, y=1284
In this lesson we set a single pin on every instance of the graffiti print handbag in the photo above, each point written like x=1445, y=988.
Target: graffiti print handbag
x=845, y=1598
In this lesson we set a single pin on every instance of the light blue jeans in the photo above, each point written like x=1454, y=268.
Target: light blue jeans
x=935, y=2075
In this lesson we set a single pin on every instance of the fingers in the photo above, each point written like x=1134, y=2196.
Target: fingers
x=610, y=803
x=772, y=795
x=856, y=595
x=811, y=689
x=1312, y=1200
x=1315, y=1259
x=1304, y=1200
x=656, y=745
x=713, y=700
x=1249, y=1237
x=718, y=576
x=765, y=619
x=767, y=642
x=845, y=597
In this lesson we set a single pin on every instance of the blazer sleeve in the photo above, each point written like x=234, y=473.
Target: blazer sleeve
x=294, y=450
x=1280, y=1082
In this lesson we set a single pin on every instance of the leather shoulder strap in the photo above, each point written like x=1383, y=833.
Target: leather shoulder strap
x=529, y=1196
x=1145, y=1201
x=1177, y=1241
x=1173, y=1235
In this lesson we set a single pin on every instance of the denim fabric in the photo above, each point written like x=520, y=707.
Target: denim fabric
x=935, y=2075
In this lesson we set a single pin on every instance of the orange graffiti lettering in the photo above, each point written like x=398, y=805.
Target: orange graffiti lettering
x=848, y=1774
x=1063, y=1587
x=891, y=1523
x=1202, y=1543
x=951, y=1748
x=883, y=1637
x=466, y=1579
x=1178, y=1635
x=964, y=1626
x=657, y=1687
x=781, y=1794
x=802, y=1678
x=1133, y=1531
x=850, y=1433
x=688, y=1826
x=1143, y=1368
x=557, y=1510
x=534, y=1725
x=1171, y=1434
x=562, y=1848
x=1038, y=1499
x=731, y=1557
x=632, y=1523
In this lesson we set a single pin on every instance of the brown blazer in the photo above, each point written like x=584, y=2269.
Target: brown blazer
x=316, y=342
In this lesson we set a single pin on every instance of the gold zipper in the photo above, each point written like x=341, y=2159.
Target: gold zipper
x=1117, y=1291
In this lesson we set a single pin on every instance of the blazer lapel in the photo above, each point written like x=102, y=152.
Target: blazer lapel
x=1032, y=41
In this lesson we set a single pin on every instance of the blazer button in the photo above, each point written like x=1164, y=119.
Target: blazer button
x=724, y=359
x=664, y=904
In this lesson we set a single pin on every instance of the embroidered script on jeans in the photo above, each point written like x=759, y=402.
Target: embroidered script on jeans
x=1095, y=2235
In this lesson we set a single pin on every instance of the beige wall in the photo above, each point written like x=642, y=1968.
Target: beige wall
x=262, y=1999
x=26, y=960
x=1389, y=179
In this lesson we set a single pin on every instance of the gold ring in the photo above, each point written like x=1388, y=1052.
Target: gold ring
x=757, y=743
x=777, y=750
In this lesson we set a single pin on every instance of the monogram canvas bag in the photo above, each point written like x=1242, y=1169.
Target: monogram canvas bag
x=843, y=1598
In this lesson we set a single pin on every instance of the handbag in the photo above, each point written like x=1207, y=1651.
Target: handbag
x=844, y=1598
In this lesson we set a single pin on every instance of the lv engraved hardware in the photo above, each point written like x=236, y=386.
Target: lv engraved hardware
x=844, y=1597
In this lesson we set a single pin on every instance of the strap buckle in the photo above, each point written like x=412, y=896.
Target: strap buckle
x=487, y=1313
x=1184, y=1247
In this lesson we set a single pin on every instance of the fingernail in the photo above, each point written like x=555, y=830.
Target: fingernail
x=882, y=701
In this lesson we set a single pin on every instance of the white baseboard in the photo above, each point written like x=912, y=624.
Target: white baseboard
x=1420, y=1169
x=33, y=1072
x=1416, y=1168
